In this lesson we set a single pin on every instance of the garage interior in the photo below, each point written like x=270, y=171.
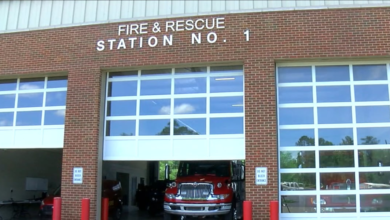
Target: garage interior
x=27, y=174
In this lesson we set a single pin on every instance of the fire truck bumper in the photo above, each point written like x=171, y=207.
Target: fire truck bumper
x=197, y=209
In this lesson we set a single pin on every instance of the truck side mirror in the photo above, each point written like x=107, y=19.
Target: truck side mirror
x=242, y=176
x=166, y=172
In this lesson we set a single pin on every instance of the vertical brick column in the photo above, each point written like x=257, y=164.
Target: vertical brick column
x=81, y=141
x=261, y=134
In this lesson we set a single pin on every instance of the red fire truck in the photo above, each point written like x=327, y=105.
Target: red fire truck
x=205, y=188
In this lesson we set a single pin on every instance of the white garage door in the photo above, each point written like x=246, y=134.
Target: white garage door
x=194, y=113
x=32, y=112
x=334, y=130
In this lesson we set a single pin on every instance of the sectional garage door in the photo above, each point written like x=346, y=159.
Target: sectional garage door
x=194, y=113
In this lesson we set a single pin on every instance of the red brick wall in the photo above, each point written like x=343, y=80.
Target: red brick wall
x=337, y=33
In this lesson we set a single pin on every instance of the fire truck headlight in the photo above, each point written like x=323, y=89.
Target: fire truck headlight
x=219, y=185
x=172, y=185
x=222, y=196
x=170, y=195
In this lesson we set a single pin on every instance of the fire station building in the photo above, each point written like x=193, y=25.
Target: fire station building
x=109, y=88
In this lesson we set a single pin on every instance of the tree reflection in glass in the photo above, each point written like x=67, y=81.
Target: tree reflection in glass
x=374, y=158
x=297, y=159
x=333, y=159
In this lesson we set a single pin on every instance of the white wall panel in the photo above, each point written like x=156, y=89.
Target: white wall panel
x=35, y=14
x=260, y=4
x=24, y=14
x=274, y=3
x=46, y=9
x=360, y=1
x=28, y=138
x=302, y=3
x=115, y=10
x=178, y=7
x=289, y=4
x=79, y=11
x=40, y=137
x=139, y=9
x=4, y=5
x=53, y=138
x=67, y=12
x=166, y=149
x=154, y=149
x=152, y=8
x=204, y=6
x=191, y=7
x=127, y=9
x=347, y=2
x=376, y=218
x=317, y=3
x=102, y=10
x=56, y=15
x=190, y=148
x=232, y=5
x=13, y=15
x=218, y=5
x=120, y=150
x=91, y=11
x=227, y=148
x=245, y=5
x=18, y=15
x=332, y=2
x=6, y=138
x=165, y=7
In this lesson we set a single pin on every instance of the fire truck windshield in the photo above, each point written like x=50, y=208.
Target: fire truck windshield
x=212, y=168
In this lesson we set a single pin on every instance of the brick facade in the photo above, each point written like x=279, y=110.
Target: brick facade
x=319, y=34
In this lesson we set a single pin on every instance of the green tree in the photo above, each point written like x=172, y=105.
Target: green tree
x=173, y=165
x=305, y=141
x=323, y=142
x=369, y=140
x=286, y=160
x=126, y=134
x=347, y=141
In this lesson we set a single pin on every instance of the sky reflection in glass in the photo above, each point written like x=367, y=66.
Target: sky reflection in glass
x=295, y=94
x=190, y=106
x=372, y=114
x=294, y=74
x=54, y=117
x=364, y=93
x=190, y=85
x=296, y=116
x=6, y=119
x=332, y=73
x=369, y=72
x=28, y=118
x=156, y=87
x=7, y=101
x=333, y=94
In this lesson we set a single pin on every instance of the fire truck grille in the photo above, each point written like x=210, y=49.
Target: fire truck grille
x=195, y=191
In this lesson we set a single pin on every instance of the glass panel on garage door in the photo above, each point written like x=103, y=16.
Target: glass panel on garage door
x=164, y=114
x=334, y=135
